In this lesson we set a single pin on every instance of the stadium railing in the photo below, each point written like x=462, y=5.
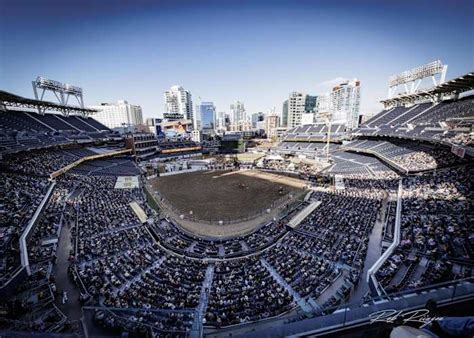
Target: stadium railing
x=28, y=231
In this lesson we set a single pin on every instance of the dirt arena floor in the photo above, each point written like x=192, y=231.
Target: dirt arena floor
x=225, y=195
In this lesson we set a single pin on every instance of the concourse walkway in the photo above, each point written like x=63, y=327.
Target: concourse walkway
x=374, y=251
x=72, y=308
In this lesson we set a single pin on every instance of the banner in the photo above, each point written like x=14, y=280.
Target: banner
x=458, y=151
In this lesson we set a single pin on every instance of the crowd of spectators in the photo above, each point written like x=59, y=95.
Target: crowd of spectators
x=465, y=139
x=354, y=212
x=102, y=208
x=302, y=168
x=342, y=239
x=243, y=291
x=407, y=155
x=39, y=163
x=172, y=237
x=121, y=264
x=47, y=231
x=20, y=195
x=437, y=211
x=436, y=231
x=23, y=186
x=306, y=273
x=173, y=284
x=33, y=301
x=426, y=160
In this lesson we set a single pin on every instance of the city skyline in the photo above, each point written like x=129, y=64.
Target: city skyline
x=224, y=63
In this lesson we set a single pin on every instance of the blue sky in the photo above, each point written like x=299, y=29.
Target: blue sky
x=253, y=51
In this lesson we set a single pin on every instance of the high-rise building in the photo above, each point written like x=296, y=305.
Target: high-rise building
x=345, y=103
x=257, y=117
x=228, y=121
x=119, y=115
x=323, y=104
x=323, y=107
x=310, y=103
x=284, y=114
x=260, y=126
x=207, y=115
x=221, y=122
x=237, y=112
x=296, y=108
x=178, y=104
x=272, y=122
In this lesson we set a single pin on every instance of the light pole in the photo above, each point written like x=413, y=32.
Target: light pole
x=327, y=116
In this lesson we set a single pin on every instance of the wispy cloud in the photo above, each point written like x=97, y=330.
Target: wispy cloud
x=328, y=84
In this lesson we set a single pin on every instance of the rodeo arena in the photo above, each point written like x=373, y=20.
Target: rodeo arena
x=125, y=235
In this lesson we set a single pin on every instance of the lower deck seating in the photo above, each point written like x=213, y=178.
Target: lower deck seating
x=407, y=155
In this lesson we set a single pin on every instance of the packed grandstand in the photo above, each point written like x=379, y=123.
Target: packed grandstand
x=385, y=219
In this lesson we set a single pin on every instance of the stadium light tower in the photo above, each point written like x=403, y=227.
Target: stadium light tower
x=74, y=91
x=414, y=77
x=62, y=91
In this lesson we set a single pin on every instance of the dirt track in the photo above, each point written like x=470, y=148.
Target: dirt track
x=224, y=195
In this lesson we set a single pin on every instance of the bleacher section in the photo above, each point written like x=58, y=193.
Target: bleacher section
x=109, y=167
x=32, y=121
x=76, y=123
x=305, y=148
x=13, y=120
x=345, y=163
x=447, y=121
x=314, y=133
x=407, y=156
x=435, y=244
x=93, y=123
x=386, y=118
x=22, y=130
x=438, y=125
x=54, y=121
x=412, y=113
x=447, y=110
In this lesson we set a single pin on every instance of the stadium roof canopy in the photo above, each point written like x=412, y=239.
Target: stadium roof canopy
x=12, y=100
x=455, y=86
